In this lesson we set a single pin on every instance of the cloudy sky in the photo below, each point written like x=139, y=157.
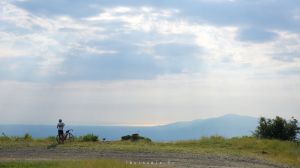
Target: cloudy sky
x=147, y=62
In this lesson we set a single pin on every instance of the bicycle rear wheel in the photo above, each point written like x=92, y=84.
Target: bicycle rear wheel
x=58, y=140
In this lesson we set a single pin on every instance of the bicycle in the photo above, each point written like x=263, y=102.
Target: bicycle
x=68, y=136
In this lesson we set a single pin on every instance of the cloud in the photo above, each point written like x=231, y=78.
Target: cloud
x=186, y=58
x=163, y=100
x=70, y=49
x=291, y=71
x=287, y=57
x=22, y=69
x=267, y=14
x=148, y=59
x=124, y=65
x=255, y=35
x=21, y=18
x=138, y=41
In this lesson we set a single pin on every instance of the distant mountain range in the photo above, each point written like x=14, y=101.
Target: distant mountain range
x=227, y=126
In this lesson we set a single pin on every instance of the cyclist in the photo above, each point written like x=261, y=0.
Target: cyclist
x=60, y=126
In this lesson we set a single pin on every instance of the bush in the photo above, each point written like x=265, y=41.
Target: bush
x=126, y=138
x=51, y=138
x=89, y=138
x=134, y=137
x=4, y=137
x=27, y=137
x=277, y=128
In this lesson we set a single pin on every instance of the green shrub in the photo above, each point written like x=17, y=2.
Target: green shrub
x=147, y=140
x=126, y=138
x=51, y=138
x=277, y=128
x=27, y=137
x=89, y=138
x=3, y=137
x=134, y=138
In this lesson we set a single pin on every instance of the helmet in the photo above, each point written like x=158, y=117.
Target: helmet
x=60, y=120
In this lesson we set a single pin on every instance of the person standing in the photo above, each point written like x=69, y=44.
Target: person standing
x=60, y=126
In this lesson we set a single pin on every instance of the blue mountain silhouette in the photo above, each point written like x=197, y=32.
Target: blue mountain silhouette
x=228, y=126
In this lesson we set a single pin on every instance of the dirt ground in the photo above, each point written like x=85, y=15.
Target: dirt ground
x=172, y=160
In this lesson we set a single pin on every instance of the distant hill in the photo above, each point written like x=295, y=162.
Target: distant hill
x=227, y=126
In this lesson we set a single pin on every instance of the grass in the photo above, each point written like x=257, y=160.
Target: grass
x=273, y=150
x=67, y=164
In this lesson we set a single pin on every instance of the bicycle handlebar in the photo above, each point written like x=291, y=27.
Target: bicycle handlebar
x=69, y=130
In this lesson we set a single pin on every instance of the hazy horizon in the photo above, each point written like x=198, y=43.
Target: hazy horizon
x=137, y=125
x=223, y=126
x=108, y=62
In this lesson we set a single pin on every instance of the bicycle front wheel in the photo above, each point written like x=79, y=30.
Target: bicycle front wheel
x=71, y=137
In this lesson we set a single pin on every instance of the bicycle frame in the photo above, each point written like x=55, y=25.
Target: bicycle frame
x=67, y=135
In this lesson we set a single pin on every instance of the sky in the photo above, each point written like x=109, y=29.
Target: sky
x=147, y=62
